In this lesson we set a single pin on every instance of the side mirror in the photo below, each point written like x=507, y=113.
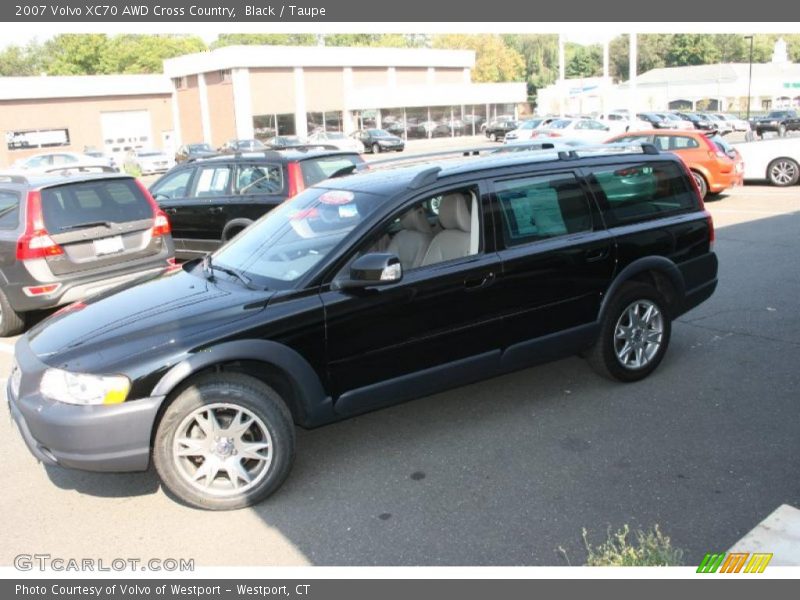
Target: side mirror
x=373, y=269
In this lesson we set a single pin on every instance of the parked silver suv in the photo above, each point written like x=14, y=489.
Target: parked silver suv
x=66, y=237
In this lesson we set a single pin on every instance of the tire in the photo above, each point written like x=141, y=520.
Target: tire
x=492, y=137
x=781, y=130
x=11, y=322
x=701, y=183
x=783, y=172
x=376, y=149
x=609, y=357
x=231, y=398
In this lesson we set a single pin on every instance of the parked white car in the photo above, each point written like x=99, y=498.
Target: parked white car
x=675, y=122
x=589, y=130
x=777, y=160
x=335, y=138
x=735, y=123
x=149, y=160
x=527, y=129
x=618, y=122
x=48, y=162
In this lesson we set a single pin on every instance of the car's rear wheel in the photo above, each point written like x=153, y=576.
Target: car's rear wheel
x=634, y=334
x=701, y=183
x=781, y=130
x=225, y=442
x=11, y=321
x=376, y=148
x=493, y=137
x=783, y=172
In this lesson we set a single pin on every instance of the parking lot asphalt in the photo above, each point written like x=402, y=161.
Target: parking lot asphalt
x=507, y=471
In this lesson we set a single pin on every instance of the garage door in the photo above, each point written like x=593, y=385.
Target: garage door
x=123, y=130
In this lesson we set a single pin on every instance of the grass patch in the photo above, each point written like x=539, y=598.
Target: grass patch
x=625, y=548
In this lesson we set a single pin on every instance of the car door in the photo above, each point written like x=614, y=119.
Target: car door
x=557, y=260
x=206, y=209
x=438, y=324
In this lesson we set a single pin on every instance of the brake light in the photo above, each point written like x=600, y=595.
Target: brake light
x=161, y=224
x=35, y=242
x=713, y=150
x=712, y=236
x=553, y=134
x=296, y=183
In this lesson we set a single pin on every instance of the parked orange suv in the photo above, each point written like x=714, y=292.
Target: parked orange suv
x=715, y=164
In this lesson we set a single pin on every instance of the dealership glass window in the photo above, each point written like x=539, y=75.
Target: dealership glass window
x=393, y=120
x=9, y=210
x=325, y=121
x=270, y=125
x=37, y=138
x=417, y=119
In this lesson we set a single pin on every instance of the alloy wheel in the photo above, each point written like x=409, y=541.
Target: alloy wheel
x=638, y=334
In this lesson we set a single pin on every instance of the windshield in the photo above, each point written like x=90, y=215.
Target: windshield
x=289, y=241
x=200, y=148
x=777, y=114
x=533, y=124
x=377, y=133
x=560, y=124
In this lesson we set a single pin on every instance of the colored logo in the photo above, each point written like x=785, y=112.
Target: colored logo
x=734, y=562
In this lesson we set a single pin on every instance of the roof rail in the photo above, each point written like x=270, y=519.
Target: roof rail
x=616, y=148
x=424, y=178
x=66, y=170
x=474, y=151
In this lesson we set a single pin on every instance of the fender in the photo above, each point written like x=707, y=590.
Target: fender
x=234, y=224
x=647, y=263
x=314, y=406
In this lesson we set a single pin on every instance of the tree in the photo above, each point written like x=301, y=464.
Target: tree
x=583, y=61
x=21, y=60
x=692, y=49
x=146, y=53
x=264, y=39
x=494, y=60
x=76, y=54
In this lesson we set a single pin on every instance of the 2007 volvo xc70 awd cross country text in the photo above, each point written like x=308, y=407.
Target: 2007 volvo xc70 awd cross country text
x=359, y=293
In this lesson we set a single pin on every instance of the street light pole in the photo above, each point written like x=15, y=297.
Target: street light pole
x=749, y=76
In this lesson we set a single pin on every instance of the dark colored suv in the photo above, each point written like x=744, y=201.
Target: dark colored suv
x=210, y=201
x=63, y=238
x=362, y=292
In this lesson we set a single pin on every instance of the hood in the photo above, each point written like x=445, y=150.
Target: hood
x=168, y=312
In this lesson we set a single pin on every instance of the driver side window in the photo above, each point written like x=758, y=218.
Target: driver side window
x=173, y=186
x=437, y=229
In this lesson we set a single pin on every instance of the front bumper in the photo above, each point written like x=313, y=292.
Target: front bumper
x=93, y=438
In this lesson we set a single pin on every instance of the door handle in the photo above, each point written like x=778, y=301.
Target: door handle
x=215, y=210
x=171, y=211
x=596, y=255
x=479, y=282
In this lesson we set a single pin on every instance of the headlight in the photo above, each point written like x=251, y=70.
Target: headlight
x=84, y=389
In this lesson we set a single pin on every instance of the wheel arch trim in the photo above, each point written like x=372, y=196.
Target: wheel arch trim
x=647, y=263
x=312, y=402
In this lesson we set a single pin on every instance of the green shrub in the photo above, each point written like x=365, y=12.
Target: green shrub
x=648, y=549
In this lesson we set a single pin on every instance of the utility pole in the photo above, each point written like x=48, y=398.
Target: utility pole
x=632, y=93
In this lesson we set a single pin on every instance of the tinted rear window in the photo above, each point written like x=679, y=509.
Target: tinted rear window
x=637, y=192
x=319, y=169
x=112, y=200
x=9, y=209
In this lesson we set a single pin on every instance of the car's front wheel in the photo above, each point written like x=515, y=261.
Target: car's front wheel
x=634, y=334
x=376, y=148
x=783, y=172
x=493, y=137
x=225, y=442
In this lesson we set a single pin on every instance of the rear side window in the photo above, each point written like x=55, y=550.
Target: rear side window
x=9, y=210
x=324, y=167
x=538, y=208
x=675, y=142
x=111, y=201
x=213, y=181
x=638, y=192
x=259, y=179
